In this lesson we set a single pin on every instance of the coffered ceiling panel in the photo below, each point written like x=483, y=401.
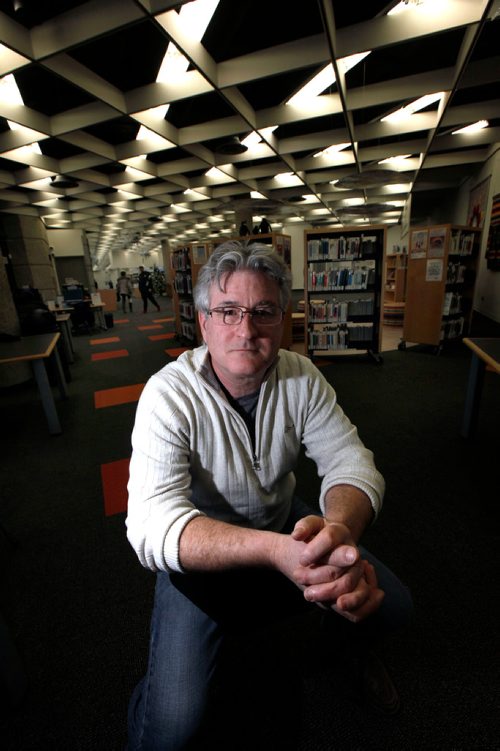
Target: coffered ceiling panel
x=144, y=118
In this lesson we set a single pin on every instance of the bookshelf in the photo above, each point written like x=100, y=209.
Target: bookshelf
x=442, y=268
x=185, y=263
x=343, y=290
x=394, y=288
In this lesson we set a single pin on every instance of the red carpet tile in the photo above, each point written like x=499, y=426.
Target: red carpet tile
x=110, y=355
x=147, y=328
x=176, y=352
x=121, y=320
x=163, y=320
x=109, y=340
x=120, y=395
x=159, y=337
x=114, y=477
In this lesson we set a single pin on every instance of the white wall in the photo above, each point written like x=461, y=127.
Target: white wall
x=129, y=260
x=66, y=242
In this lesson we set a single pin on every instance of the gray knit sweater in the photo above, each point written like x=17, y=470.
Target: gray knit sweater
x=192, y=452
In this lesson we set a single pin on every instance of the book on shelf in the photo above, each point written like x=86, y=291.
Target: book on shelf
x=331, y=276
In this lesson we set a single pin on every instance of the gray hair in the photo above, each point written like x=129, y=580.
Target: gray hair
x=236, y=256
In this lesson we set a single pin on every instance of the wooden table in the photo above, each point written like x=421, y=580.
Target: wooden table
x=485, y=354
x=36, y=350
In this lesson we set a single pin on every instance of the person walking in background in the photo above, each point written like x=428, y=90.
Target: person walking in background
x=146, y=289
x=124, y=290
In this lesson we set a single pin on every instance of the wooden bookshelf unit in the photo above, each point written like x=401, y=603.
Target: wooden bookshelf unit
x=343, y=290
x=442, y=267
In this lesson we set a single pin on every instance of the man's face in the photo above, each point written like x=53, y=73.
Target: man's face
x=242, y=353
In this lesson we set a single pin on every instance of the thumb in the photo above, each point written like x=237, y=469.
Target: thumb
x=308, y=527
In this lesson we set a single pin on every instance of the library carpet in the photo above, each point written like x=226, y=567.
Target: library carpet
x=78, y=603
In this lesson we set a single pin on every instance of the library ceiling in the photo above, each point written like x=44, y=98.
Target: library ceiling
x=143, y=120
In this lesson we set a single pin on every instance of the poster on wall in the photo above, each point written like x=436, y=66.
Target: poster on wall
x=478, y=201
x=418, y=243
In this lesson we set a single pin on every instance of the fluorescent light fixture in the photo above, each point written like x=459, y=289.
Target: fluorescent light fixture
x=324, y=79
x=353, y=201
x=214, y=173
x=195, y=17
x=436, y=6
x=256, y=137
x=398, y=188
x=10, y=94
x=407, y=111
x=195, y=194
x=472, y=128
x=288, y=179
x=255, y=194
x=395, y=159
x=179, y=209
x=333, y=149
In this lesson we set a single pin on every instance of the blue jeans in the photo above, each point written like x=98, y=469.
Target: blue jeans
x=196, y=615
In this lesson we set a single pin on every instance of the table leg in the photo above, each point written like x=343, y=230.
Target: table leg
x=67, y=341
x=46, y=395
x=473, y=396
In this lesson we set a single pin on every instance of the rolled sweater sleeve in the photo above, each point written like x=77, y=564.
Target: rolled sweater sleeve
x=333, y=442
x=159, y=486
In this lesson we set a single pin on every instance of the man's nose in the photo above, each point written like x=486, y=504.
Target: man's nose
x=247, y=327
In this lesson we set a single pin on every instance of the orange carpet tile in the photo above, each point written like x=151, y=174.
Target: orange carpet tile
x=163, y=320
x=119, y=395
x=121, y=320
x=177, y=351
x=149, y=327
x=110, y=355
x=114, y=478
x=159, y=337
x=109, y=340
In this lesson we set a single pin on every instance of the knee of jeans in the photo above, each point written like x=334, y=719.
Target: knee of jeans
x=396, y=612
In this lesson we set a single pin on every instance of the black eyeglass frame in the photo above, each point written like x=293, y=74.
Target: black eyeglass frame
x=252, y=312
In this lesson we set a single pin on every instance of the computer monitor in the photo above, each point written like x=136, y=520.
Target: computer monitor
x=73, y=292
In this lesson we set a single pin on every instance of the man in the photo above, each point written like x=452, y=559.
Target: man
x=124, y=290
x=211, y=495
x=146, y=289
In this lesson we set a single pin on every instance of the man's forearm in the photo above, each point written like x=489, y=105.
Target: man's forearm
x=348, y=505
x=210, y=545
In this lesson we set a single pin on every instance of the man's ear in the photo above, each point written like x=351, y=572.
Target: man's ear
x=202, y=320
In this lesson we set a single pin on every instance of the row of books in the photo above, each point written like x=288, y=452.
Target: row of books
x=180, y=259
x=344, y=336
x=339, y=248
x=188, y=330
x=327, y=276
x=452, y=329
x=452, y=303
x=462, y=243
x=455, y=273
x=186, y=309
x=335, y=310
x=183, y=283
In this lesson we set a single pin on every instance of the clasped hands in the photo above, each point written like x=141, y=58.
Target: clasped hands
x=323, y=560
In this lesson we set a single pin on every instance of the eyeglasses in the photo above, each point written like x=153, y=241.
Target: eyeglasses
x=233, y=315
